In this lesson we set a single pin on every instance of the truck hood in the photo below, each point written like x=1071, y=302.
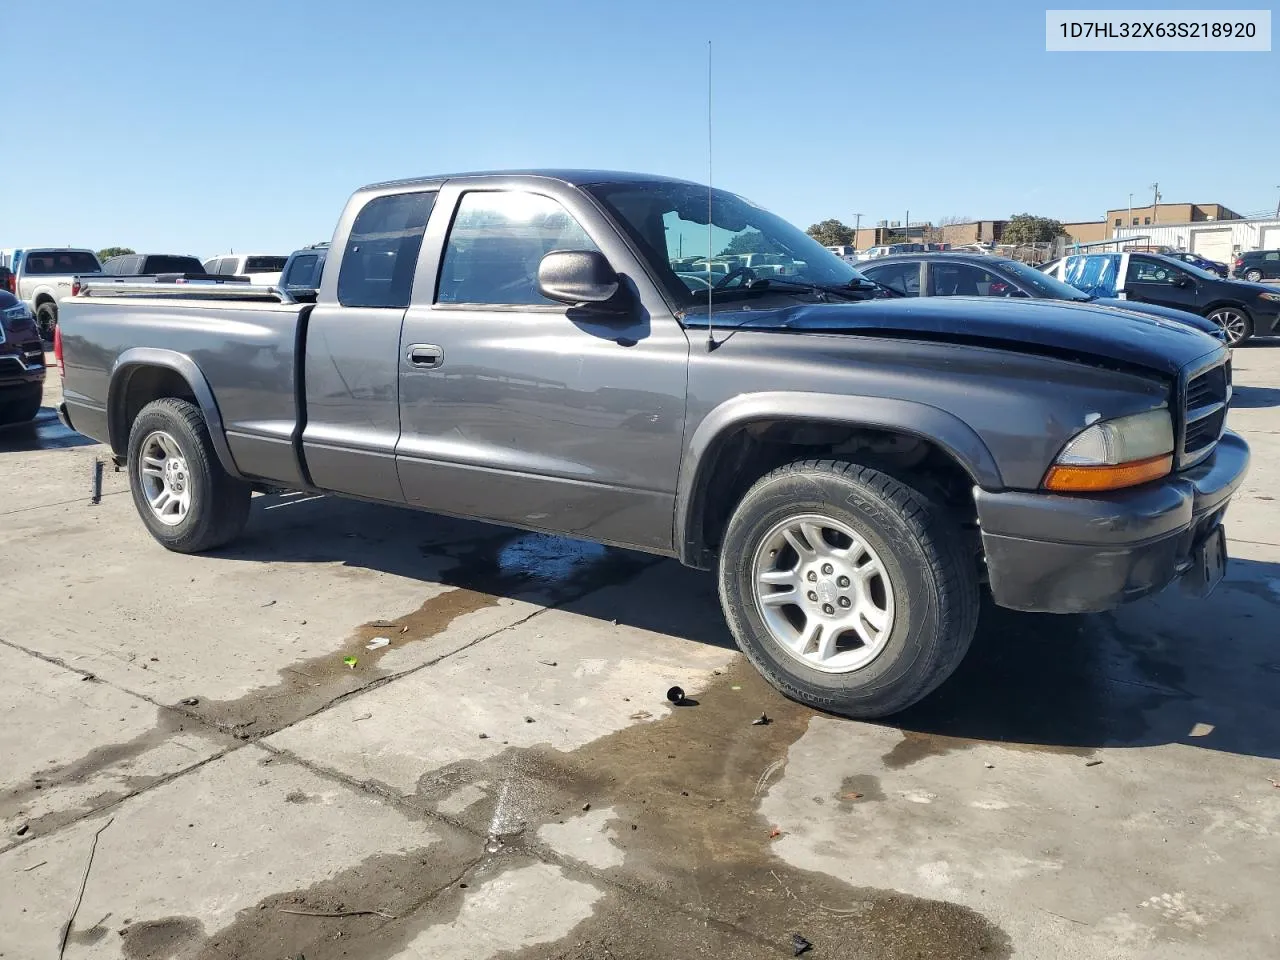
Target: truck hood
x=1074, y=331
x=1153, y=309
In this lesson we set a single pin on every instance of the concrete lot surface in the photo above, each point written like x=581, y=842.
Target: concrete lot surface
x=506, y=779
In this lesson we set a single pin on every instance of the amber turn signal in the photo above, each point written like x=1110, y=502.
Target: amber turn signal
x=1077, y=479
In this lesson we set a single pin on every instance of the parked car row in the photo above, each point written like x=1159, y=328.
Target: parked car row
x=1240, y=308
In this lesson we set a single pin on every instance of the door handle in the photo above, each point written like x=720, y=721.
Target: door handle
x=425, y=355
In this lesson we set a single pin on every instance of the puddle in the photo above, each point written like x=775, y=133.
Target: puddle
x=45, y=432
x=699, y=874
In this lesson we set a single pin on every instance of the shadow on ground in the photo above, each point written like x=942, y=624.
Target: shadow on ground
x=1252, y=398
x=45, y=432
x=1170, y=669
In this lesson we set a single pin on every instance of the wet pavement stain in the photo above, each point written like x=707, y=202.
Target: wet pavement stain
x=525, y=566
x=859, y=788
x=113, y=759
x=700, y=876
x=159, y=939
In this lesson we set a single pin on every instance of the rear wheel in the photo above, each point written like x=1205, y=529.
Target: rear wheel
x=1236, y=324
x=1253, y=276
x=847, y=589
x=46, y=320
x=186, y=499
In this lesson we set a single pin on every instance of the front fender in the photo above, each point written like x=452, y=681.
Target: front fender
x=905, y=416
x=136, y=358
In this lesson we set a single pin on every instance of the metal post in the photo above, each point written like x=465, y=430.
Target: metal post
x=857, y=223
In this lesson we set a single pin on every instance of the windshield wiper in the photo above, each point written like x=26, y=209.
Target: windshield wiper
x=765, y=284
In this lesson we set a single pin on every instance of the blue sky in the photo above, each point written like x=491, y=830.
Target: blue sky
x=171, y=127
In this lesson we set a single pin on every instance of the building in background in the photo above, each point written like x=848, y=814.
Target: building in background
x=1168, y=213
x=1213, y=240
x=1087, y=231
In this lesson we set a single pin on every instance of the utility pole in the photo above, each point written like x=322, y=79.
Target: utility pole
x=1278, y=204
x=1155, y=203
x=857, y=222
x=1129, y=222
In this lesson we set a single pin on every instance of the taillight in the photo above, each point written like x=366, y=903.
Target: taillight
x=57, y=351
x=11, y=283
x=75, y=287
x=1239, y=261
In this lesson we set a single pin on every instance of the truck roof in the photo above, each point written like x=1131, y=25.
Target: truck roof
x=572, y=177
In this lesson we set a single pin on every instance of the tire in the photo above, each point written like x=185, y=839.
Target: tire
x=927, y=595
x=173, y=432
x=46, y=320
x=1253, y=276
x=1234, y=321
x=19, y=408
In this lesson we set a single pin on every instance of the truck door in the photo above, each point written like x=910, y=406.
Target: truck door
x=520, y=410
x=1153, y=280
x=351, y=364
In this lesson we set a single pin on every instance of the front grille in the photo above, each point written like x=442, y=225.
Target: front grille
x=1205, y=412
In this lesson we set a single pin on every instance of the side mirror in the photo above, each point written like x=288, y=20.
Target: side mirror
x=578, y=278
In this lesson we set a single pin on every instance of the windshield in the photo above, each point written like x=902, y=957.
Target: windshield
x=1041, y=284
x=264, y=264
x=46, y=262
x=668, y=220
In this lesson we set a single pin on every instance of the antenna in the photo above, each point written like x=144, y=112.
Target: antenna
x=711, y=335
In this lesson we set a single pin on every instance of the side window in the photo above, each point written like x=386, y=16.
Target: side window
x=966, y=280
x=496, y=242
x=1142, y=270
x=382, y=251
x=211, y=266
x=1273, y=255
x=903, y=277
x=227, y=266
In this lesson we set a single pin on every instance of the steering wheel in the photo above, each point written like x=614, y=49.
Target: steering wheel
x=746, y=273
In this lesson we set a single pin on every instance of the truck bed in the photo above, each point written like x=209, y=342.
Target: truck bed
x=243, y=348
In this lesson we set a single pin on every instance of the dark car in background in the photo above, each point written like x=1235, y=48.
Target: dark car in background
x=981, y=275
x=151, y=264
x=21, y=362
x=302, y=271
x=1241, y=309
x=1256, y=265
x=1213, y=266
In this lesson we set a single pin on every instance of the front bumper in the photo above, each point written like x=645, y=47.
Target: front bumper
x=21, y=365
x=1076, y=554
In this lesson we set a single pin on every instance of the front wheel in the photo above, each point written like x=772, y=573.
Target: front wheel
x=1253, y=276
x=1236, y=324
x=46, y=320
x=849, y=590
x=184, y=496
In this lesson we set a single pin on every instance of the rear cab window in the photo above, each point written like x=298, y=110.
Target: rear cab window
x=51, y=262
x=169, y=264
x=264, y=264
x=381, y=255
x=302, y=272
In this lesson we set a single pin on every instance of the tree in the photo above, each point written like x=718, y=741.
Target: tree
x=1026, y=228
x=749, y=241
x=109, y=252
x=832, y=233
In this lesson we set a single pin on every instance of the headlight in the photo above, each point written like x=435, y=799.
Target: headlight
x=1114, y=454
x=1274, y=297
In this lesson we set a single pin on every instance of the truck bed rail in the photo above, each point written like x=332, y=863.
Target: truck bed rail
x=185, y=291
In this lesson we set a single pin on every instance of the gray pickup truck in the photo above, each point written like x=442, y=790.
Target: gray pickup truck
x=520, y=348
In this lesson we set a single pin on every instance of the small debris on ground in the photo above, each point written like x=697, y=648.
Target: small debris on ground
x=88, y=676
x=735, y=687
x=484, y=736
x=989, y=766
x=21, y=831
x=189, y=701
x=402, y=629
x=548, y=663
x=675, y=695
x=1092, y=763
x=586, y=807
x=378, y=642
x=761, y=721
x=640, y=715
x=775, y=833
x=800, y=945
x=1201, y=730
x=350, y=662
x=528, y=719
x=37, y=866
x=363, y=716
x=850, y=796
x=269, y=603
x=1274, y=782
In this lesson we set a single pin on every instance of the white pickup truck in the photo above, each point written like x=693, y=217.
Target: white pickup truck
x=42, y=276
